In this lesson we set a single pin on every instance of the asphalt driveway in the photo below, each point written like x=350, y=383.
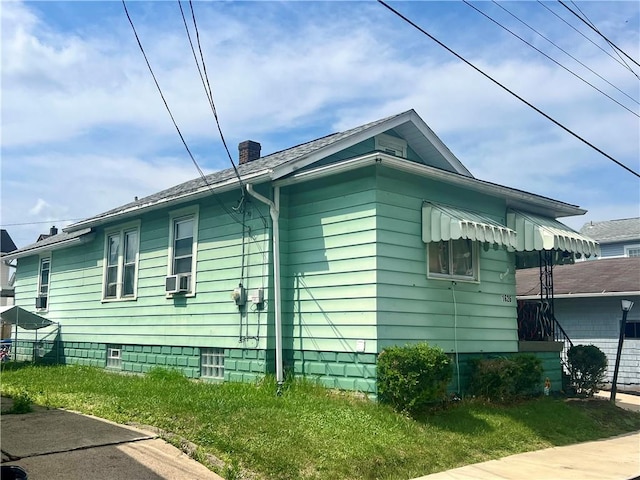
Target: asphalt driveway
x=58, y=444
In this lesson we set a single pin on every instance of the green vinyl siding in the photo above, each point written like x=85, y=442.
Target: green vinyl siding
x=330, y=272
x=208, y=319
x=470, y=315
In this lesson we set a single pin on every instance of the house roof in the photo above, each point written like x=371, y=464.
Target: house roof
x=6, y=243
x=51, y=242
x=612, y=231
x=276, y=165
x=603, y=277
x=285, y=165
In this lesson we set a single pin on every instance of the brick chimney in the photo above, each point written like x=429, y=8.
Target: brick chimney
x=53, y=231
x=248, y=151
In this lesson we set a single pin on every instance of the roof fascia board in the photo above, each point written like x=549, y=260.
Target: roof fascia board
x=439, y=145
x=50, y=247
x=492, y=189
x=581, y=295
x=201, y=192
x=335, y=147
x=409, y=116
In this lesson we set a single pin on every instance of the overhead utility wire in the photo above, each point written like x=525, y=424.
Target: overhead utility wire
x=460, y=57
x=593, y=26
x=202, y=175
x=206, y=84
x=589, y=40
x=37, y=223
x=598, y=32
x=209, y=93
x=550, y=58
x=563, y=50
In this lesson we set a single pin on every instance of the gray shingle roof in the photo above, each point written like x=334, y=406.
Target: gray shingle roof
x=611, y=231
x=605, y=275
x=50, y=241
x=265, y=163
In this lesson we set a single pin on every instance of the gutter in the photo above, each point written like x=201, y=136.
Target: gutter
x=274, y=211
x=559, y=209
x=82, y=238
x=204, y=191
x=582, y=295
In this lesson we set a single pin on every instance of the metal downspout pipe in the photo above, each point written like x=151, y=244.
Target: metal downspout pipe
x=274, y=211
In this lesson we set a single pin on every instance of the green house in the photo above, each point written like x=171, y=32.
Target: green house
x=310, y=260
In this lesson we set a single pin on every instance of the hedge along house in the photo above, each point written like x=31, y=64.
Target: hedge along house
x=317, y=259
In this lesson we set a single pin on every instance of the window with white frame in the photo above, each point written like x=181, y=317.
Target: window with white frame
x=632, y=251
x=114, y=356
x=212, y=363
x=453, y=259
x=121, y=264
x=43, y=283
x=183, y=246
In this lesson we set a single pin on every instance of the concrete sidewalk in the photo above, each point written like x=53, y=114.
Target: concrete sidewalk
x=58, y=444
x=616, y=458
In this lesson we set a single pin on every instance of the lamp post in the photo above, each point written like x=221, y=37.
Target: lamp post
x=626, y=306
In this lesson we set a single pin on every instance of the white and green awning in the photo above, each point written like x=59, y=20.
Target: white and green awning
x=535, y=233
x=440, y=222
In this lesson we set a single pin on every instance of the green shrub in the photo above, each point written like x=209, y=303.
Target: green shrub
x=505, y=379
x=587, y=365
x=413, y=377
x=21, y=403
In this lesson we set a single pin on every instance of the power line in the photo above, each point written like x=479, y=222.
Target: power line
x=206, y=84
x=202, y=175
x=626, y=67
x=549, y=57
x=599, y=33
x=563, y=50
x=39, y=223
x=593, y=26
x=460, y=57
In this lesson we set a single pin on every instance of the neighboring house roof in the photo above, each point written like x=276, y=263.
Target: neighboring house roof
x=6, y=243
x=605, y=277
x=612, y=231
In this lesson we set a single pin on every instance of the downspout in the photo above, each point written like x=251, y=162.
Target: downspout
x=274, y=211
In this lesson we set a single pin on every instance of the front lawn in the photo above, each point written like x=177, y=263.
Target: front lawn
x=312, y=433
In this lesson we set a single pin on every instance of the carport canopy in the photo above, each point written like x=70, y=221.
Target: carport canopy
x=16, y=315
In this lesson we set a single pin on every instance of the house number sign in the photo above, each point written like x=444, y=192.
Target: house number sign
x=506, y=298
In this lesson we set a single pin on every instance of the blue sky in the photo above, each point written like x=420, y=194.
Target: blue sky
x=84, y=129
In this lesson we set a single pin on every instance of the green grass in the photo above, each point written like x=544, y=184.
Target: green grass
x=312, y=433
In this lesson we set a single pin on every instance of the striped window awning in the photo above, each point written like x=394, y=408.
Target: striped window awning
x=440, y=222
x=535, y=233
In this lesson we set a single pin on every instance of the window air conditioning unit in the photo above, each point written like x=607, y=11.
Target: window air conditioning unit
x=177, y=283
x=41, y=302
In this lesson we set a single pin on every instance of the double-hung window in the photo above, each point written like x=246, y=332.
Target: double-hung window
x=453, y=259
x=121, y=264
x=43, y=283
x=183, y=247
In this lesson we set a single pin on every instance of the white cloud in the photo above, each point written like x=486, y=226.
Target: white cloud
x=39, y=207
